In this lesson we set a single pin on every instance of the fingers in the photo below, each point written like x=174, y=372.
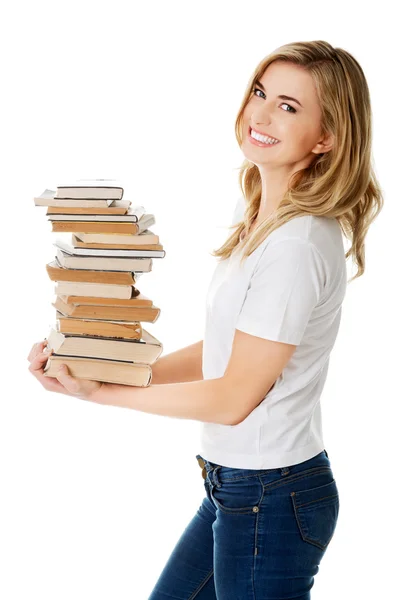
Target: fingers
x=36, y=349
x=38, y=362
x=37, y=369
x=70, y=383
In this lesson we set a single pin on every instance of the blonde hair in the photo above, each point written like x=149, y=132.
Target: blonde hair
x=339, y=184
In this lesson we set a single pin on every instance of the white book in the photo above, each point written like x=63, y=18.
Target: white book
x=133, y=215
x=47, y=198
x=98, y=290
x=91, y=188
x=98, y=263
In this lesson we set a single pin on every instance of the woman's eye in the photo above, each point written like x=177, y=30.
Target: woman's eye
x=291, y=107
x=257, y=90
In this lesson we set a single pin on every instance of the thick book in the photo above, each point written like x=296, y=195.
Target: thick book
x=97, y=290
x=130, y=330
x=146, y=350
x=91, y=188
x=147, y=237
x=107, y=252
x=133, y=214
x=149, y=314
x=58, y=273
x=95, y=227
x=96, y=369
x=97, y=263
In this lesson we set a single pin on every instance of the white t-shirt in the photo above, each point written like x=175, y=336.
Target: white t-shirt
x=290, y=289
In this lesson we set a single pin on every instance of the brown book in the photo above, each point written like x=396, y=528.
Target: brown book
x=96, y=369
x=139, y=300
x=110, y=210
x=78, y=244
x=149, y=314
x=58, y=273
x=94, y=227
x=115, y=329
x=146, y=350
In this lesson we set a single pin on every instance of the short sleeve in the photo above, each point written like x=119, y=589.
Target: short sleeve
x=285, y=287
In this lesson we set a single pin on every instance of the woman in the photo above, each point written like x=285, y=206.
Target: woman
x=273, y=313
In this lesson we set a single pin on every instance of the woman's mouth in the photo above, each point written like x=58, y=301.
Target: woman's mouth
x=260, y=140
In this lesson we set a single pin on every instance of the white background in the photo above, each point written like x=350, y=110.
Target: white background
x=94, y=498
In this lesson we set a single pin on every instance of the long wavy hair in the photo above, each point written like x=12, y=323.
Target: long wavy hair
x=340, y=183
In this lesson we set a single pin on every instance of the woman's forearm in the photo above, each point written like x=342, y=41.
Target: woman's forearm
x=180, y=366
x=204, y=400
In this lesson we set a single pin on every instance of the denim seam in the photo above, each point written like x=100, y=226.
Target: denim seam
x=255, y=553
x=296, y=477
x=302, y=530
x=201, y=585
x=246, y=510
x=318, y=500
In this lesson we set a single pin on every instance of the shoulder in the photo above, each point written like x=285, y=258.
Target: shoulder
x=323, y=234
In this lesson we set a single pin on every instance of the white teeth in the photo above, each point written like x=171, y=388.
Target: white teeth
x=263, y=138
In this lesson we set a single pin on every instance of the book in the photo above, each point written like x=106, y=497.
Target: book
x=47, y=198
x=91, y=188
x=137, y=300
x=149, y=314
x=99, y=309
x=146, y=350
x=76, y=243
x=56, y=272
x=146, y=237
x=104, y=226
x=96, y=369
x=133, y=214
x=116, y=329
x=85, y=210
x=98, y=290
x=105, y=251
x=98, y=263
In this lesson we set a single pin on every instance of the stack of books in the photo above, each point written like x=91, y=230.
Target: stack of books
x=99, y=310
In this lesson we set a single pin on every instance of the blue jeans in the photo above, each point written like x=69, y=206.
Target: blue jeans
x=258, y=534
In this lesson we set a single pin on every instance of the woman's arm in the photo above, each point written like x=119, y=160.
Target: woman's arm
x=179, y=366
x=209, y=400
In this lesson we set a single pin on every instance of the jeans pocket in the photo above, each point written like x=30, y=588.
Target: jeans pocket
x=316, y=512
x=240, y=496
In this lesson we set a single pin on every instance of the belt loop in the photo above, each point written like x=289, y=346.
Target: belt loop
x=285, y=471
x=215, y=476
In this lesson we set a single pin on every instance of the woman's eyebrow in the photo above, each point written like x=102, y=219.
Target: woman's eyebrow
x=282, y=96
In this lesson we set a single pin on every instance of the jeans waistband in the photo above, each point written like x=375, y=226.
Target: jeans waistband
x=227, y=473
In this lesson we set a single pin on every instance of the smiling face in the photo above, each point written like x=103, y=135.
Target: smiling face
x=284, y=105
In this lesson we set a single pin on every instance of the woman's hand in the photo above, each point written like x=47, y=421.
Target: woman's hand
x=64, y=383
